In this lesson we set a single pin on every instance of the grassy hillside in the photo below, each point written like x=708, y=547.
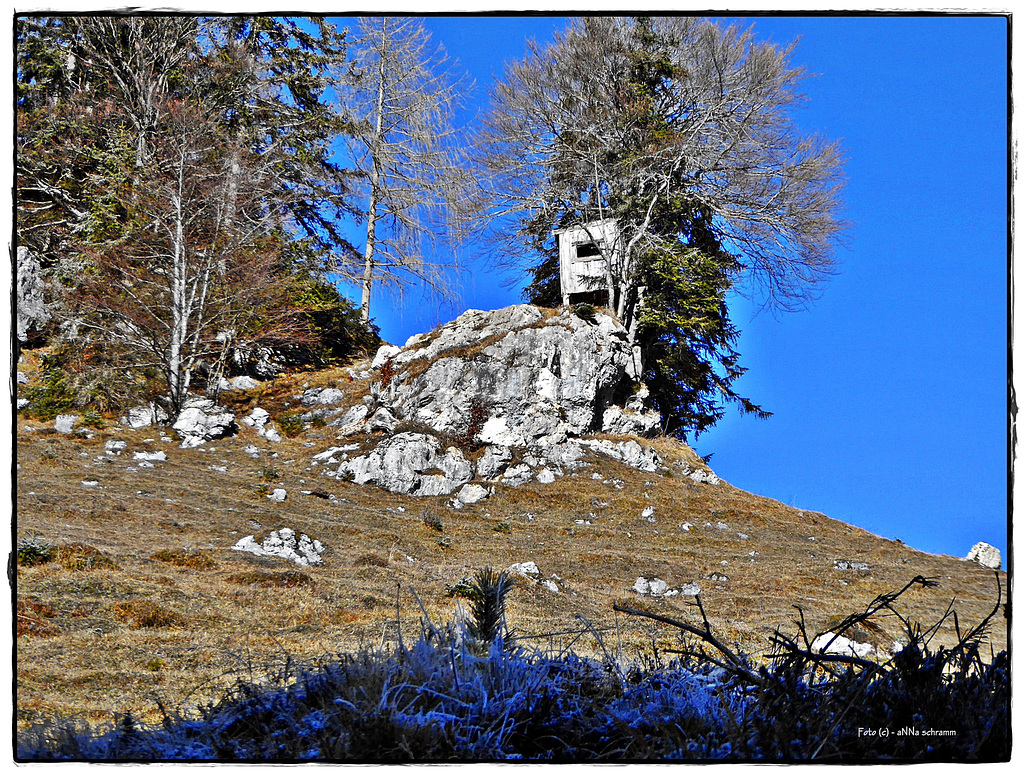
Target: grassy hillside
x=143, y=599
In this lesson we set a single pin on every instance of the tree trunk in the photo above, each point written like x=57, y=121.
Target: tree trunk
x=371, y=215
x=177, y=374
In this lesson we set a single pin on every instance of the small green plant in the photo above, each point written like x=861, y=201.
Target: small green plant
x=584, y=311
x=268, y=473
x=432, y=519
x=464, y=589
x=503, y=527
x=487, y=605
x=53, y=396
x=93, y=418
x=291, y=424
x=33, y=551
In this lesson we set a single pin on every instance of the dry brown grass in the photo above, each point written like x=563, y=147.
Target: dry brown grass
x=160, y=540
x=143, y=613
x=187, y=559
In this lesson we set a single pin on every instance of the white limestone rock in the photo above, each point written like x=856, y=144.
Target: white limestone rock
x=382, y=421
x=550, y=585
x=986, y=555
x=65, y=423
x=472, y=493
x=832, y=644
x=202, y=420
x=149, y=456
x=410, y=463
x=144, y=416
x=567, y=455
x=322, y=396
x=650, y=587
x=259, y=420
x=526, y=569
x=540, y=383
x=239, y=383
x=352, y=421
x=628, y=452
x=517, y=475
x=494, y=461
x=384, y=353
x=334, y=452
x=283, y=543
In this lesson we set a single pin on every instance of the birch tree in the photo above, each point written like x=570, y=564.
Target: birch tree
x=402, y=99
x=182, y=277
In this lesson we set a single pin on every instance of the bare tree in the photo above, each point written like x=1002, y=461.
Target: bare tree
x=141, y=56
x=623, y=118
x=669, y=142
x=185, y=165
x=402, y=98
x=182, y=280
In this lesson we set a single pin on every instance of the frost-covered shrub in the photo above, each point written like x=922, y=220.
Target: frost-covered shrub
x=450, y=696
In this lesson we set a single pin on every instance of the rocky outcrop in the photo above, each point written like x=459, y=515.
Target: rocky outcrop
x=411, y=463
x=65, y=423
x=259, y=420
x=144, y=416
x=535, y=379
x=202, y=420
x=525, y=383
x=283, y=543
x=834, y=644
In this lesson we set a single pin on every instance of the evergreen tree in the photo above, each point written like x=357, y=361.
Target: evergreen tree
x=678, y=131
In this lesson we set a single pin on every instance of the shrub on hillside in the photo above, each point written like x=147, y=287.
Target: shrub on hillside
x=142, y=613
x=186, y=559
x=338, y=332
x=88, y=376
x=33, y=551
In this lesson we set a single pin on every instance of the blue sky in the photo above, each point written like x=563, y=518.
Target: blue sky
x=889, y=393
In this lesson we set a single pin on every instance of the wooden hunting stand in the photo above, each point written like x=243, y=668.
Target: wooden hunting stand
x=587, y=256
